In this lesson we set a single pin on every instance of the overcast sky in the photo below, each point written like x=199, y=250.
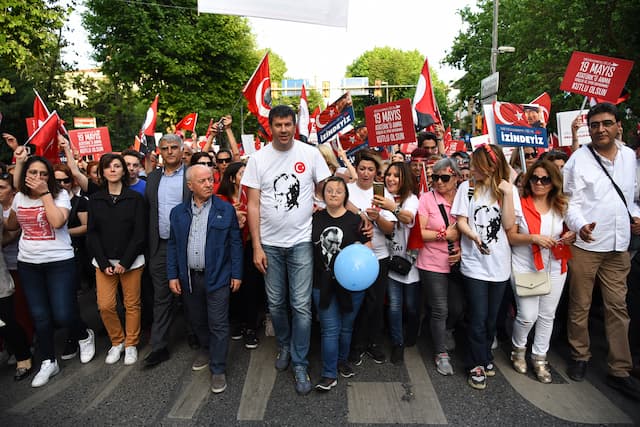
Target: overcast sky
x=320, y=53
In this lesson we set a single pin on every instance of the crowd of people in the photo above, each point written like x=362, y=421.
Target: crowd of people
x=457, y=238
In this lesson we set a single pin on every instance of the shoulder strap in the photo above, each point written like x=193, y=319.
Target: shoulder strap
x=445, y=218
x=618, y=190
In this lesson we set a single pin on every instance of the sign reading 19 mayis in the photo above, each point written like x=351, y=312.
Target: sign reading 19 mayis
x=519, y=125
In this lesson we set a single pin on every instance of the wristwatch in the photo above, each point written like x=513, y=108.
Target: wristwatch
x=396, y=211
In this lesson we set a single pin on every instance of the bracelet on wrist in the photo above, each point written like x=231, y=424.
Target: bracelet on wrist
x=45, y=193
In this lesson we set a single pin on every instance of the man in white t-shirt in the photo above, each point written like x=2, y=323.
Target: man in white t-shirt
x=601, y=218
x=281, y=180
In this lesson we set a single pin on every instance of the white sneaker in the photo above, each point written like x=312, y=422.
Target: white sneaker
x=130, y=355
x=47, y=370
x=87, y=347
x=114, y=354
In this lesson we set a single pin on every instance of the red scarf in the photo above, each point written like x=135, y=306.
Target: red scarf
x=534, y=221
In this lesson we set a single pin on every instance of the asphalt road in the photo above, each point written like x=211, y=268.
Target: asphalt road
x=171, y=394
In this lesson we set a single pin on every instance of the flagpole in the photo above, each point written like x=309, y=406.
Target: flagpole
x=41, y=101
x=194, y=124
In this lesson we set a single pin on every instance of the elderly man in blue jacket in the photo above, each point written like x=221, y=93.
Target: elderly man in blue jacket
x=204, y=264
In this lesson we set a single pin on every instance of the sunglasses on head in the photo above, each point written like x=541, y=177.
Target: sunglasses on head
x=443, y=178
x=544, y=180
x=210, y=164
x=223, y=160
x=64, y=181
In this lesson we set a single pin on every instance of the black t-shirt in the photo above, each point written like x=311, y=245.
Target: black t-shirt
x=78, y=204
x=330, y=235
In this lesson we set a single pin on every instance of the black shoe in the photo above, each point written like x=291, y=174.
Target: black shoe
x=397, y=354
x=236, y=332
x=22, y=373
x=250, y=339
x=577, y=370
x=193, y=342
x=326, y=384
x=70, y=349
x=375, y=352
x=156, y=357
x=345, y=370
x=626, y=385
x=355, y=356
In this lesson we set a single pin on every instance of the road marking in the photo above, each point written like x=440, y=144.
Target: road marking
x=393, y=402
x=258, y=384
x=191, y=396
x=108, y=388
x=578, y=402
x=55, y=386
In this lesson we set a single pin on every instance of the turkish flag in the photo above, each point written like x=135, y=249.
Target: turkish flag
x=544, y=101
x=507, y=113
x=425, y=107
x=350, y=140
x=257, y=91
x=188, y=122
x=149, y=125
x=45, y=138
x=303, y=116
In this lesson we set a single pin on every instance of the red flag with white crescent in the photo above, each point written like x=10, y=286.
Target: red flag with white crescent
x=507, y=113
x=257, y=91
x=303, y=116
x=425, y=107
x=544, y=101
x=149, y=125
x=188, y=122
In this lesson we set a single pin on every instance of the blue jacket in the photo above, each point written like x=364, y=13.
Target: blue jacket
x=223, y=247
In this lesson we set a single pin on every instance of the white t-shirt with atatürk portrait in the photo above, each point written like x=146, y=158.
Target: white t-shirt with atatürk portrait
x=287, y=181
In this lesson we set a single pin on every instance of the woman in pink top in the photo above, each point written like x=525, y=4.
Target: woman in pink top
x=440, y=252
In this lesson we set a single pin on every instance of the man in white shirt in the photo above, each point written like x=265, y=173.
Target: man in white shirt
x=281, y=180
x=602, y=221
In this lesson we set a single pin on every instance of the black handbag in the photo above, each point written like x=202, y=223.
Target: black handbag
x=399, y=265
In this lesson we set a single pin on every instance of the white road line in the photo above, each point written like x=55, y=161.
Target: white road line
x=191, y=396
x=577, y=402
x=377, y=402
x=55, y=386
x=108, y=388
x=258, y=384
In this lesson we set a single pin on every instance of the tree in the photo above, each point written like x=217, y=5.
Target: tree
x=195, y=62
x=398, y=67
x=277, y=66
x=544, y=37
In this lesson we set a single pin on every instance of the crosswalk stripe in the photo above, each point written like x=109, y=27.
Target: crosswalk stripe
x=191, y=396
x=259, y=381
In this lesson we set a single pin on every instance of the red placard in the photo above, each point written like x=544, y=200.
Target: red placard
x=596, y=75
x=390, y=123
x=91, y=141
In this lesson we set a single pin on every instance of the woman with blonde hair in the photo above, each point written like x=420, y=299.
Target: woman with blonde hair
x=485, y=207
x=539, y=243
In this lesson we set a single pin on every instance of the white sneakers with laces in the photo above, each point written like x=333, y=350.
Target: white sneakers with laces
x=113, y=355
x=130, y=355
x=87, y=347
x=47, y=370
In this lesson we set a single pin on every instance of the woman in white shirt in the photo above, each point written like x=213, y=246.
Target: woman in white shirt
x=484, y=212
x=539, y=243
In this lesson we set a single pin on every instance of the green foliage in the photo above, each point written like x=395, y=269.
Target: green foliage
x=195, y=62
x=277, y=66
x=397, y=67
x=544, y=34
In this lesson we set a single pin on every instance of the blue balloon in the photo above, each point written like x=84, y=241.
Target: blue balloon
x=356, y=267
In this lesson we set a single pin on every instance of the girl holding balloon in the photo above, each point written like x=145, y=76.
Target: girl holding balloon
x=334, y=229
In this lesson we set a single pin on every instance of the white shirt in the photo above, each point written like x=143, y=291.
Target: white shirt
x=522, y=255
x=592, y=198
x=484, y=216
x=287, y=182
x=39, y=241
x=362, y=200
x=399, y=242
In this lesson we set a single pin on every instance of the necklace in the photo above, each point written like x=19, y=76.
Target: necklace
x=114, y=198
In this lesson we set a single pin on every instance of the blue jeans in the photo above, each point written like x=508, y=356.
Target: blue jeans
x=484, y=302
x=50, y=289
x=290, y=271
x=410, y=294
x=336, y=332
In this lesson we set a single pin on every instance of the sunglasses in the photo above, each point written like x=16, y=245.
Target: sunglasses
x=443, y=178
x=544, y=180
x=5, y=175
x=64, y=181
x=210, y=164
x=223, y=160
x=530, y=155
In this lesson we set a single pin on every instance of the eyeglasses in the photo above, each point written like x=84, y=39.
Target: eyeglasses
x=544, y=180
x=64, y=181
x=443, y=178
x=226, y=160
x=530, y=155
x=335, y=192
x=605, y=123
x=37, y=173
x=210, y=164
x=5, y=175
